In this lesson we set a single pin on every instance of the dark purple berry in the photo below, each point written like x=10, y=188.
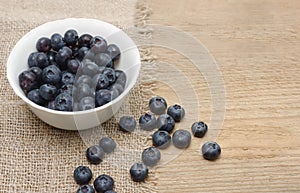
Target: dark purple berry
x=85, y=189
x=43, y=44
x=71, y=37
x=73, y=66
x=84, y=40
x=63, y=102
x=37, y=71
x=98, y=44
x=199, y=129
x=117, y=87
x=100, y=81
x=57, y=42
x=66, y=88
x=32, y=59
x=102, y=97
x=51, y=74
x=113, y=51
x=82, y=52
x=211, y=150
x=176, y=112
x=62, y=57
x=120, y=77
x=103, y=59
x=138, y=172
x=42, y=60
x=89, y=68
x=34, y=96
x=95, y=154
x=82, y=175
x=67, y=78
x=48, y=92
x=147, y=122
x=51, y=105
x=28, y=81
x=161, y=139
x=51, y=58
x=104, y=183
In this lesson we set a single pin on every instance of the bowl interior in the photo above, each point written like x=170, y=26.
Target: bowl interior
x=129, y=61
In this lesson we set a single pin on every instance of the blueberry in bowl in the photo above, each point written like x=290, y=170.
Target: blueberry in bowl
x=52, y=53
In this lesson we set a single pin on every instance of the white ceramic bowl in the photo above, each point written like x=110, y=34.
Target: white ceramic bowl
x=129, y=63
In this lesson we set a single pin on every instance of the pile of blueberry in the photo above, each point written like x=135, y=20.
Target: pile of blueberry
x=72, y=73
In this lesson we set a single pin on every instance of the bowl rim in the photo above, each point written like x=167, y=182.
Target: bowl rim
x=22, y=95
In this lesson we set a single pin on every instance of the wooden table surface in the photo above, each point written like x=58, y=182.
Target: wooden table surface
x=256, y=45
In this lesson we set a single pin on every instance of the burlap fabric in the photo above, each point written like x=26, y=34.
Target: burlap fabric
x=36, y=157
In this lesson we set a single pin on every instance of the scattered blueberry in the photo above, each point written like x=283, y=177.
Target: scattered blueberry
x=104, y=183
x=41, y=60
x=211, y=150
x=139, y=172
x=43, y=44
x=107, y=144
x=181, y=138
x=161, y=139
x=147, y=122
x=158, y=105
x=63, y=102
x=66, y=88
x=32, y=59
x=176, y=112
x=95, y=154
x=82, y=175
x=199, y=129
x=127, y=123
x=165, y=122
x=85, y=189
x=151, y=156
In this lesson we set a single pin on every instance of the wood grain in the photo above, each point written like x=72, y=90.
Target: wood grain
x=256, y=45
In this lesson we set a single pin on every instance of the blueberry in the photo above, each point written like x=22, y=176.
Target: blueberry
x=161, y=139
x=51, y=105
x=34, y=96
x=127, y=123
x=41, y=60
x=120, y=77
x=85, y=189
x=104, y=183
x=199, y=129
x=71, y=37
x=113, y=51
x=82, y=175
x=138, y=172
x=51, y=74
x=51, y=58
x=83, y=79
x=95, y=154
x=211, y=150
x=57, y=42
x=28, y=81
x=98, y=44
x=32, y=61
x=165, y=122
x=82, y=52
x=111, y=74
x=102, y=97
x=147, y=122
x=63, y=102
x=37, y=72
x=73, y=66
x=151, y=156
x=62, y=57
x=100, y=81
x=103, y=59
x=48, y=91
x=158, y=105
x=89, y=68
x=176, y=112
x=86, y=103
x=83, y=90
x=107, y=144
x=66, y=88
x=43, y=44
x=84, y=40
x=67, y=78
x=181, y=138
x=117, y=87
x=114, y=93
